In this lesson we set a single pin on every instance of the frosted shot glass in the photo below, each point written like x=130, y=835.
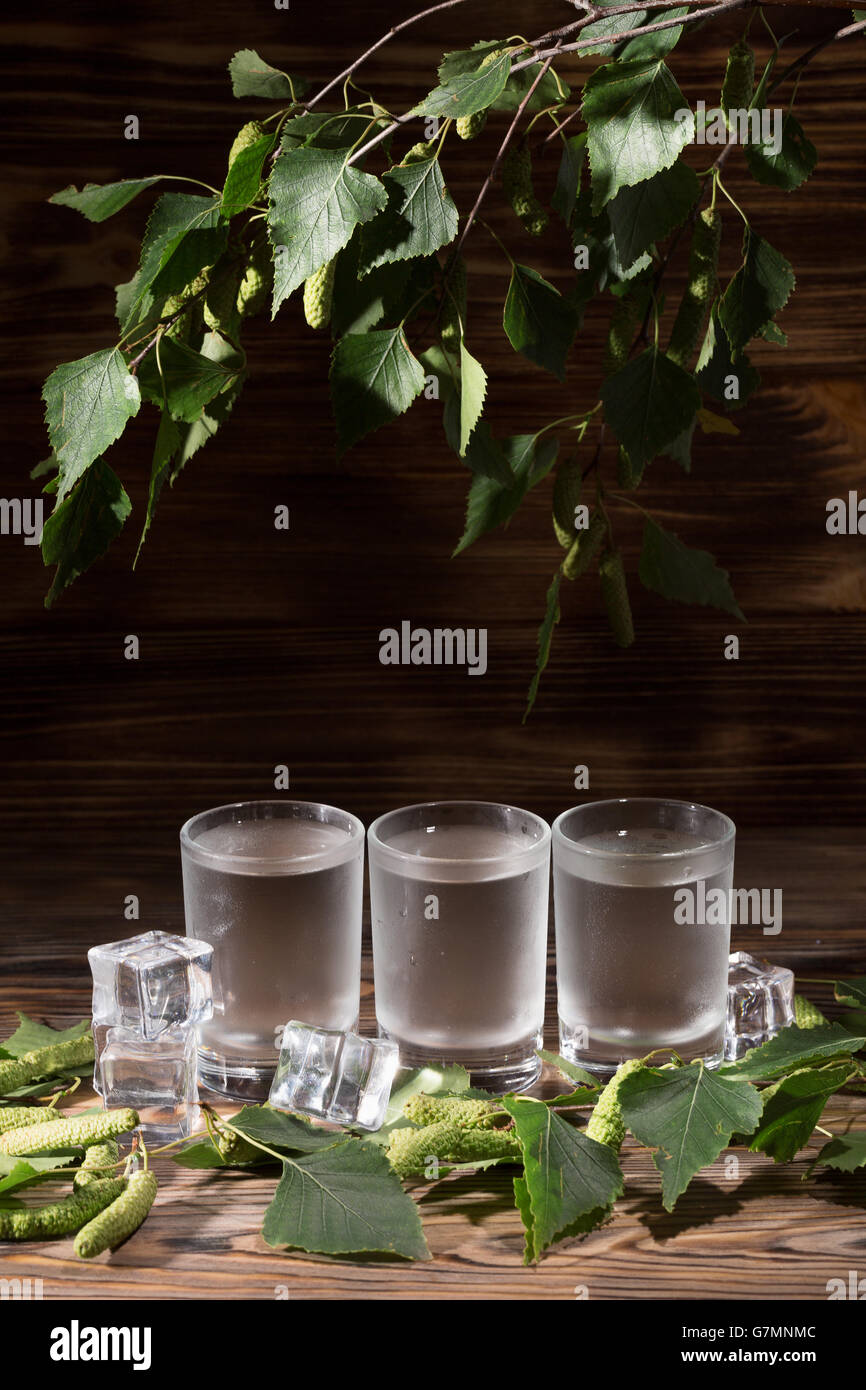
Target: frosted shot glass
x=276, y=887
x=642, y=894
x=458, y=893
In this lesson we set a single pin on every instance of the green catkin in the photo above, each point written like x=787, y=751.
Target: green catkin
x=233, y=1148
x=410, y=1153
x=17, y=1116
x=72, y=1133
x=246, y=136
x=807, y=1014
x=468, y=127
x=614, y=593
x=221, y=299
x=626, y=476
x=475, y=1145
x=423, y=150
x=739, y=84
x=256, y=282
x=517, y=186
x=567, y=486
x=606, y=1124
x=60, y=1218
x=319, y=295
x=454, y=307
x=585, y=547
x=701, y=286
x=469, y=1114
x=100, y=1161
x=45, y=1061
x=119, y=1221
x=619, y=334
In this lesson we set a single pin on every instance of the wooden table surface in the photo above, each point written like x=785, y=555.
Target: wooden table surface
x=751, y=1229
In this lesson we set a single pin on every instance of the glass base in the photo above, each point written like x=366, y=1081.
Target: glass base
x=515, y=1069
x=598, y=1059
x=247, y=1082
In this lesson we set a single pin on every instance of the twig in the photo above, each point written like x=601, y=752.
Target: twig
x=703, y=13
x=396, y=29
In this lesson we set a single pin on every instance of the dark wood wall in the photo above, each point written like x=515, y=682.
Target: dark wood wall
x=259, y=647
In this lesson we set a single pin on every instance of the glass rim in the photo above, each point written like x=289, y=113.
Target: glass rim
x=591, y=852
x=376, y=842
x=355, y=833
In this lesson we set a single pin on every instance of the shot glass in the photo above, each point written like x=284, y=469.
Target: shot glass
x=276, y=887
x=642, y=894
x=458, y=893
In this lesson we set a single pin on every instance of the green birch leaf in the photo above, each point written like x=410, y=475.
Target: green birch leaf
x=790, y=165
x=853, y=1022
x=473, y=389
x=688, y=1116
x=660, y=43
x=758, y=291
x=29, y=1036
x=23, y=1172
x=676, y=571
x=83, y=526
x=607, y=30
x=343, y=1201
x=184, y=234
x=374, y=378
x=419, y=220
x=280, y=1130
x=87, y=405
x=716, y=368
x=547, y=93
x=570, y=1070
x=649, y=211
x=185, y=380
x=492, y=503
x=791, y=1049
x=793, y=1107
x=168, y=440
x=316, y=204
x=252, y=77
x=464, y=92
x=631, y=112
x=564, y=199
x=545, y=639
x=524, y=1208
x=851, y=992
x=203, y=429
x=98, y=201
x=538, y=322
x=571, y=1181
x=327, y=130
x=244, y=178
x=362, y=301
x=648, y=403
x=204, y=1154
x=845, y=1152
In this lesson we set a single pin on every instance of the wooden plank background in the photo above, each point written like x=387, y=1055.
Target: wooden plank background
x=259, y=648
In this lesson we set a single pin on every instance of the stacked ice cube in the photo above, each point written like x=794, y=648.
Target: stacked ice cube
x=149, y=993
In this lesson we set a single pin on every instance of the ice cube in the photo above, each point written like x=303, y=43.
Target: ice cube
x=760, y=1002
x=152, y=982
x=334, y=1076
x=156, y=1076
